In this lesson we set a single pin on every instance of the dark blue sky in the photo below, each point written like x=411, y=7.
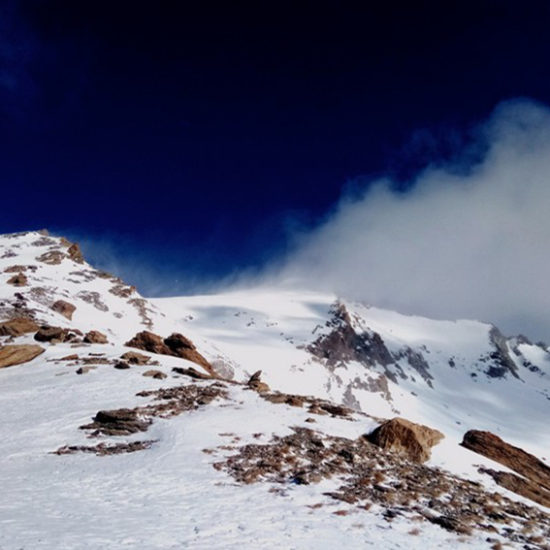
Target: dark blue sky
x=191, y=138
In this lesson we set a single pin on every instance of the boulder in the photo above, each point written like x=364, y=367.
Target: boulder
x=122, y=365
x=95, y=337
x=16, y=355
x=17, y=327
x=46, y=333
x=18, y=280
x=175, y=345
x=64, y=308
x=75, y=254
x=256, y=384
x=406, y=438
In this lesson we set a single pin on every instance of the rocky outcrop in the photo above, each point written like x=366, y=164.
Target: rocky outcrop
x=175, y=345
x=518, y=460
x=255, y=383
x=95, y=337
x=17, y=355
x=75, y=254
x=47, y=333
x=135, y=358
x=64, y=308
x=157, y=374
x=18, y=280
x=406, y=438
x=17, y=327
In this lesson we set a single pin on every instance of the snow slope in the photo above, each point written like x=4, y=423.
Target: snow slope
x=171, y=496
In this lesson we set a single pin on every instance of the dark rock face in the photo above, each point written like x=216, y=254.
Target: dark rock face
x=64, y=308
x=502, y=362
x=17, y=327
x=75, y=254
x=47, y=333
x=536, y=474
x=175, y=345
x=18, y=280
x=118, y=422
x=407, y=438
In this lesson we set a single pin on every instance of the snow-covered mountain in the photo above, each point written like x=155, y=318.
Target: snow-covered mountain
x=134, y=422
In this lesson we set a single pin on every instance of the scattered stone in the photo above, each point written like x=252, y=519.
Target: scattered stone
x=122, y=365
x=159, y=375
x=135, y=358
x=122, y=290
x=64, y=308
x=118, y=422
x=412, y=440
x=95, y=337
x=18, y=280
x=193, y=373
x=75, y=254
x=52, y=257
x=256, y=384
x=72, y=357
x=19, y=268
x=84, y=370
x=17, y=327
x=18, y=354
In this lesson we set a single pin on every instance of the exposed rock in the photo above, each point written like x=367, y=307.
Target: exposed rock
x=95, y=337
x=122, y=290
x=503, y=362
x=175, y=345
x=118, y=422
x=407, y=438
x=135, y=358
x=75, y=254
x=17, y=327
x=93, y=298
x=19, y=268
x=18, y=280
x=46, y=333
x=122, y=365
x=18, y=354
x=52, y=257
x=159, y=375
x=64, y=308
x=72, y=357
x=256, y=384
x=193, y=373
x=493, y=447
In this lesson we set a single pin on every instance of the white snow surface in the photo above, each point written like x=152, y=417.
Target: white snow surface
x=170, y=496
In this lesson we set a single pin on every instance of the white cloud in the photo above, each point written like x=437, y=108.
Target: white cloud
x=454, y=246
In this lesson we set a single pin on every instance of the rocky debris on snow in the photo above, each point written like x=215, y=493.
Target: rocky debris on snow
x=93, y=298
x=95, y=337
x=17, y=327
x=157, y=374
x=315, y=405
x=167, y=402
x=407, y=438
x=11, y=355
x=71, y=357
x=143, y=310
x=369, y=475
x=175, y=345
x=256, y=384
x=121, y=365
x=18, y=280
x=52, y=257
x=19, y=268
x=104, y=449
x=122, y=290
x=535, y=472
x=64, y=308
x=193, y=373
x=47, y=333
x=135, y=358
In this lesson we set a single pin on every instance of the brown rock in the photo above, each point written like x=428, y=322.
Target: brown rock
x=17, y=327
x=135, y=358
x=64, y=308
x=18, y=280
x=84, y=370
x=47, y=333
x=52, y=257
x=16, y=268
x=95, y=337
x=75, y=254
x=406, y=438
x=193, y=373
x=256, y=384
x=175, y=345
x=16, y=355
x=72, y=357
x=522, y=462
x=159, y=375
x=121, y=365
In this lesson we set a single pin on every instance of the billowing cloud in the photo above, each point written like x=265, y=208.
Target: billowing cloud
x=459, y=243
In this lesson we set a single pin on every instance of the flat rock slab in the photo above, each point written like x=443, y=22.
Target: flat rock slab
x=16, y=355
